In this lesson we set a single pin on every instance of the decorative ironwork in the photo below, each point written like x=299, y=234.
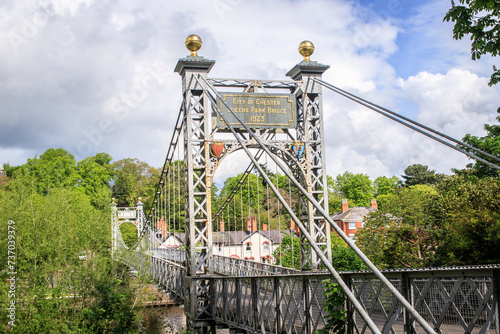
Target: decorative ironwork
x=217, y=149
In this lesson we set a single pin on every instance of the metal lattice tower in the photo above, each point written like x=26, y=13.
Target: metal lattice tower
x=198, y=222
x=310, y=129
x=200, y=166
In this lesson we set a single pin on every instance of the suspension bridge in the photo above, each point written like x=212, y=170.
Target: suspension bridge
x=220, y=265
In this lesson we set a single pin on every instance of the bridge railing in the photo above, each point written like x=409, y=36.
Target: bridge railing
x=172, y=254
x=237, y=267
x=463, y=300
x=170, y=276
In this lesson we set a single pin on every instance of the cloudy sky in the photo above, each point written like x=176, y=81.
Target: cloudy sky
x=67, y=66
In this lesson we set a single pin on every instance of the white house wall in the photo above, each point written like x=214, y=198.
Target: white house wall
x=257, y=248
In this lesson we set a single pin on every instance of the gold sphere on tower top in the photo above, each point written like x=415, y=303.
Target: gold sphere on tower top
x=306, y=49
x=193, y=44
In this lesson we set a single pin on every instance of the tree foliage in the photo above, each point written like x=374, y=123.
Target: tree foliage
x=455, y=222
x=134, y=179
x=490, y=144
x=470, y=212
x=62, y=238
x=356, y=188
x=343, y=257
x=255, y=198
x=420, y=174
x=405, y=233
x=479, y=19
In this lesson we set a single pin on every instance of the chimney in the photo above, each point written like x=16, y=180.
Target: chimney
x=264, y=227
x=221, y=226
x=254, y=224
x=248, y=224
x=163, y=226
x=292, y=225
x=344, y=206
x=374, y=204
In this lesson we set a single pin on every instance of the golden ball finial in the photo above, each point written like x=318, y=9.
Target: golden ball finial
x=139, y=199
x=113, y=200
x=306, y=49
x=193, y=44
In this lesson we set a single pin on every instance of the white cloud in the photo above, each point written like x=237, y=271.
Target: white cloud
x=95, y=76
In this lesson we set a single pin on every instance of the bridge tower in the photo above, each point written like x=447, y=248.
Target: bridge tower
x=310, y=131
x=198, y=222
x=200, y=165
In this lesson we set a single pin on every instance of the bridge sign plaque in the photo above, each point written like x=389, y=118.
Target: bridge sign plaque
x=259, y=110
x=126, y=214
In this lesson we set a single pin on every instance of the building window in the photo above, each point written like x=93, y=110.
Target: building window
x=265, y=246
x=352, y=237
x=220, y=248
x=352, y=225
x=248, y=247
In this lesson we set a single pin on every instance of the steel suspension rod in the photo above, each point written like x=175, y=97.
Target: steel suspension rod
x=351, y=244
x=332, y=270
x=418, y=127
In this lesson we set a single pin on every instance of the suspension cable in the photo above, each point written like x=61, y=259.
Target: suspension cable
x=346, y=289
x=403, y=120
x=332, y=270
x=291, y=232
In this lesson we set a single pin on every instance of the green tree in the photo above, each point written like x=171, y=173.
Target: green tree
x=129, y=234
x=134, y=179
x=470, y=211
x=54, y=168
x=255, y=198
x=385, y=190
x=94, y=179
x=386, y=185
x=288, y=254
x=357, y=188
x=62, y=249
x=405, y=233
x=479, y=19
x=420, y=174
x=490, y=144
x=343, y=257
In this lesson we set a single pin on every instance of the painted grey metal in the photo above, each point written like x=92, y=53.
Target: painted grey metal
x=303, y=230
x=244, y=83
x=281, y=299
x=198, y=217
x=454, y=300
x=231, y=266
x=310, y=131
x=351, y=244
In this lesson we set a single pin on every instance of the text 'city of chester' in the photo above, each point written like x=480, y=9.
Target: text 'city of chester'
x=258, y=110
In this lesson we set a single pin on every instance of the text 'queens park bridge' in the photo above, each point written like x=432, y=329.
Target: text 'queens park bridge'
x=219, y=261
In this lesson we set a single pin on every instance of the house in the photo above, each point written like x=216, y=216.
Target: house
x=352, y=219
x=251, y=244
x=174, y=240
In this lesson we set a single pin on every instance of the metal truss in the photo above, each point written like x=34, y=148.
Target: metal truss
x=244, y=83
x=454, y=300
x=231, y=266
x=310, y=130
x=133, y=215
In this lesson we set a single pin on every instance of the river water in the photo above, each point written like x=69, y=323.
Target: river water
x=166, y=320
x=163, y=320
